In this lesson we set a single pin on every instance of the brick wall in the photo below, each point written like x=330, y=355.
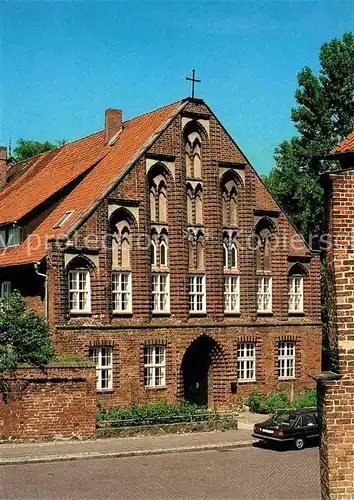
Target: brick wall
x=336, y=390
x=57, y=402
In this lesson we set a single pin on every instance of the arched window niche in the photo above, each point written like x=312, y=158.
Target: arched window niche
x=121, y=242
x=296, y=276
x=193, y=150
x=230, y=189
x=158, y=194
x=79, y=274
x=264, y=230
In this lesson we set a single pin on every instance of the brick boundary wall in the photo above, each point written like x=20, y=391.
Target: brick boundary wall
x=336, y=385
x=59, y=401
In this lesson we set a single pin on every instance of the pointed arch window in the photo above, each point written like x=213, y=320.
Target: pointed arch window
x=153, y=253
x=225, y=254
x=197, y=163
x=233, y=263
x=190, y=200
x=198, y=205
x=163, y=253
x=162, y=203
x=200, y=252
x=153, y=203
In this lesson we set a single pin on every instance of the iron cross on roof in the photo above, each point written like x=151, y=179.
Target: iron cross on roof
x=193, y=80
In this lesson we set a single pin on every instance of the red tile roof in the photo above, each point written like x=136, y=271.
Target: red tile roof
x=346, y=145
x=55, y=169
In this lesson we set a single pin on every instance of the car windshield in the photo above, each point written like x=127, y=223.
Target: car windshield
x=284, y=418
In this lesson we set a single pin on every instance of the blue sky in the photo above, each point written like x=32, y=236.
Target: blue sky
x=64, y=62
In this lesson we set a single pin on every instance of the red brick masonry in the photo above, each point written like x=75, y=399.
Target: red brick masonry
x=57, y=402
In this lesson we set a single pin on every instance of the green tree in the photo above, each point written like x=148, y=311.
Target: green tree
x=26, y=149
x=24, y=336
x=324, y=116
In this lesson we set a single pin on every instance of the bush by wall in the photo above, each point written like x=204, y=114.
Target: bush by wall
x=154, y=413
x=279, y=401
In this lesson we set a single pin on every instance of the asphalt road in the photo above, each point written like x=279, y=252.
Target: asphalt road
x=246, y=473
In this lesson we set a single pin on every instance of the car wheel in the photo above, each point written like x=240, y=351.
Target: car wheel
x=299, y=443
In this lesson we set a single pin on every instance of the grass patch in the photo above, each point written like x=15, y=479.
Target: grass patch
x=153, y=413
x=279, y=401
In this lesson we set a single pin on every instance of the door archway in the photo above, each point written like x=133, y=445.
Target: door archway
x=203, y=372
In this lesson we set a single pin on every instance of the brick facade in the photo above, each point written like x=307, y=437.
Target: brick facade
x=57, y=402
x=336, y=386
x=213, y=333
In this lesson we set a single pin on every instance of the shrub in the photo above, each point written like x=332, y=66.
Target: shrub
x=154, y=413
x=70, y=358
x=279, y=401
x=24, y=336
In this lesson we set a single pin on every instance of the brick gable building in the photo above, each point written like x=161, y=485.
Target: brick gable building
x=154, y=247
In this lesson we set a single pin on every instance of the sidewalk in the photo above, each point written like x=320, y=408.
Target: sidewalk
x=56, y=451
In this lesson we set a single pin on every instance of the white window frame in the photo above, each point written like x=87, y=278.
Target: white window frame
x=246, y=362
x=13, y=236
x=294, y=294
x=231, y=294
x=286, y=360
x=264, y=306
x=122, y=292
x=63, y=219
x=74, y=276
x=155, y=366
x=197, y=295
x=160, y=293
x=164, y=245
x=103, y=358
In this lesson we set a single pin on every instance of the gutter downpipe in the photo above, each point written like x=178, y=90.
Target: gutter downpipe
x=46, y=302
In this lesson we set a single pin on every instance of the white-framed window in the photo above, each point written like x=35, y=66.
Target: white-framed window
x=13, y=236
x=153, y=253
x=63, y=219
x=296, y=294
x=161, y=293
x=122, y=292
x=246, y=361
x=5, y=291
x=197, y=301
x=103, y=359
x=232, y=294
x=79, y=291
x=286, y=360
x=163, y=253
x=154, y=366
x=264, y=294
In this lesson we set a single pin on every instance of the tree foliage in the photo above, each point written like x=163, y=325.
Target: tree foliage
x=24, y=336
x=324, y=116
x=26, y=149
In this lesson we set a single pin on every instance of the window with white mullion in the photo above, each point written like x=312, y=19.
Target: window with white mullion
x=197, y=302
x=296, y=294
x=264, y=294
x=232, y=294
x=103, y=359
x=160, y=293
x=154, y=366
x=246, y=361
x=286, y=360
x=121, y=291
x=79, y=290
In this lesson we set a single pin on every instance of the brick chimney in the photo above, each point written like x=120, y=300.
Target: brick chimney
x=113, y=122
x=3, y=165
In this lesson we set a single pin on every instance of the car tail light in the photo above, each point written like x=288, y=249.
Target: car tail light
x=256, y=428
x=278, y=433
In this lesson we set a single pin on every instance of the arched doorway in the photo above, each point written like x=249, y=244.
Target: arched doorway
x=202, y=372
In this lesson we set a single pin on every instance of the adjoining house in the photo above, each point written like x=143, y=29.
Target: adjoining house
x=153, y=247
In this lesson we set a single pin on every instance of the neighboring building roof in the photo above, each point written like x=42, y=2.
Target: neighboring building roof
x=52, y=171
x=346, y=146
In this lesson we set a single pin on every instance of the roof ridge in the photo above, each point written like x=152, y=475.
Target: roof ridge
x=152, y=111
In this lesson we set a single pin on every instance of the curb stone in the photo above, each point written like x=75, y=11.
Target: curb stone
x=134, y=453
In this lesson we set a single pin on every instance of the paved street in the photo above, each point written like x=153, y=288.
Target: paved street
x=245, y=473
